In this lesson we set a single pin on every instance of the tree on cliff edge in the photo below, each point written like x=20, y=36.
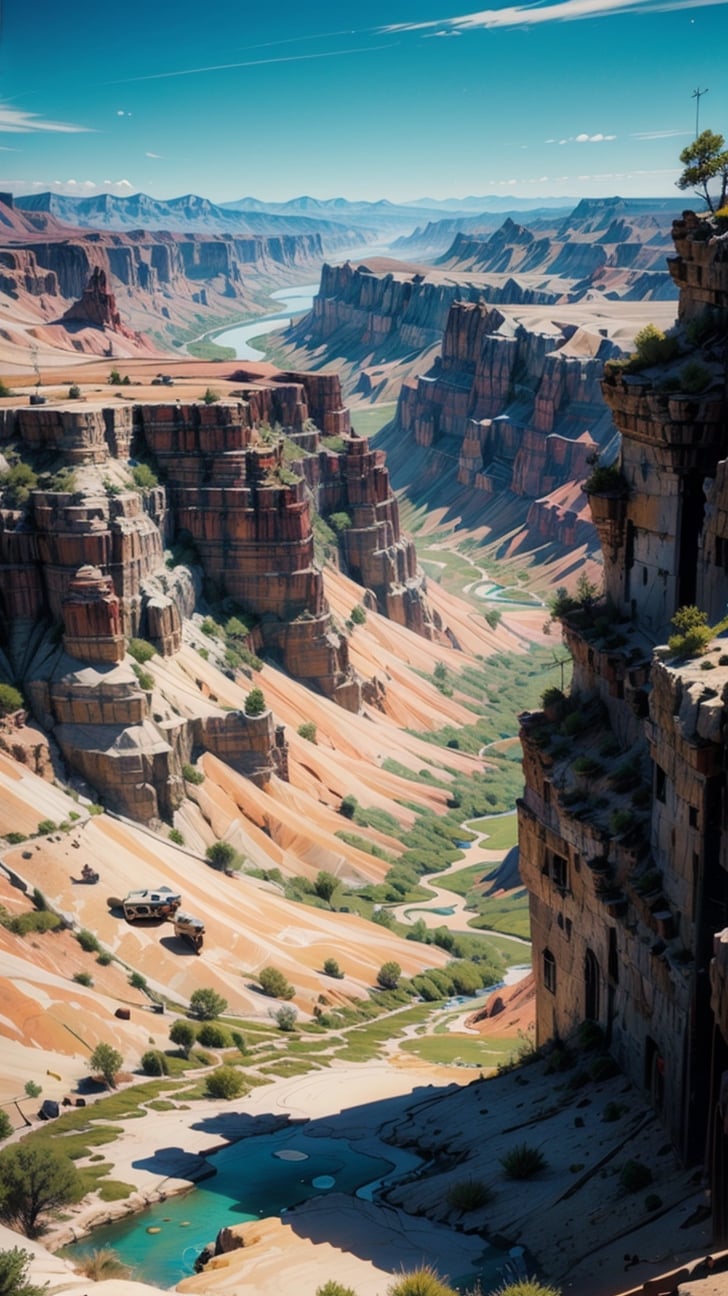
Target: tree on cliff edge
x=705, y=160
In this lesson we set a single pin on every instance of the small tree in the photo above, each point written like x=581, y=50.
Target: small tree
x=35, y=1179
x=211, y=397
x=108, y=1062
x=6, y=1126
x=154, y=1063
x=222, y=855
x=325, y=885
x=274, y=984
x=183, y=1035
x=255, y=703
x=348, y=806
x=286, y=1017
x=207, y=1004
x=225, y=1082
x=332, y=969
x=307, y=730
x=705, y=160
x=388, y=975
x=13, y=1269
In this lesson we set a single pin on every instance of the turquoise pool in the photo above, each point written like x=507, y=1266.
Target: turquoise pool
x=256, y=1177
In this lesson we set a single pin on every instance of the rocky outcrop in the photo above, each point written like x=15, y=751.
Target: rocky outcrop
x=524, y=409
x=96, y=306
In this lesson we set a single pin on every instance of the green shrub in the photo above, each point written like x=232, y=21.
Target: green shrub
x=695, y=377
x=420, y=1282
x=6, y=1129
x=145, y=679
x=348, y=806
x=4, y=389
x=17, y=483
x=286, y=1017
x=693, y=634
x=144, y=477
x=332, y=969
x=141, y=650
x=333, y=1288
x=192, y=775
x=523, y=1161
x=652, y=347
x=154, y=1063
x=612, y=1112
x=15, y=838
x=493, y=617
x=74, y=392
x=388, y=975
x=603, y=1067
x=604, y=479
x=634, y=1176
x=225, y=1082
x=33, y=1090
x=223, y=855
x=176, y=837
x=469, y=1195
x=255, y=703
x=207, y=1004
x=340, y=522
x=27, y=923
x=211, y=397
x=137, y=981
x=274, y=984
x=620, y=822
x=88, y=941
x=105, y=958
x=211, y=1035
x=10, y=700
x=45, y=827
x=183, y=1034
x=358, y=614
x=307, y=730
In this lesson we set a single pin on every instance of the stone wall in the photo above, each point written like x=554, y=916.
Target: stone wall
x=622, y=825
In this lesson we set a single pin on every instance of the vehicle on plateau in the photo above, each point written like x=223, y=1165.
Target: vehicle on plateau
x=190, y=929
x=160, y=903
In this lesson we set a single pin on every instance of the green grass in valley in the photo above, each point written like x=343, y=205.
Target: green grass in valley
x=368, y=420
x=501, y=833
x=450, y=1049
x=208, y=350
x=506, y=914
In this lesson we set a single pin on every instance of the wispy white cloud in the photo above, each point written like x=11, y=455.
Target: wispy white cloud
x=153, y=155
x=596, y=176
x=17, y=121
x=658, y=134
x=520, y=15
x=226, y=67
x=583, y=138
x=121, y=112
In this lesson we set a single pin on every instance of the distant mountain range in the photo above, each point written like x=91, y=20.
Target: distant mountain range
x=338, y=221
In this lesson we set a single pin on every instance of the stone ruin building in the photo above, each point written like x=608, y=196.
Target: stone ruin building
x=623, y=823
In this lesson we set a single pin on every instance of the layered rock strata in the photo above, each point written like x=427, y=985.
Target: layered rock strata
x=622, y=824
x=238, y=496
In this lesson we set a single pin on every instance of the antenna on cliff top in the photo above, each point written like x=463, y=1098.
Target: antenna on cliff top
x=697, y=96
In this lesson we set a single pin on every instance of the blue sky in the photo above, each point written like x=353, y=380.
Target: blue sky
x=396, y=100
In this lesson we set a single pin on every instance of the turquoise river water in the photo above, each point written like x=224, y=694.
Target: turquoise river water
x=256, y=1177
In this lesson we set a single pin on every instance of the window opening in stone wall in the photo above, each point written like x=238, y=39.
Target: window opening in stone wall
x=659, y=783
x=549, y=971
x=559, y=871
x=654, y=1073
x=591, y=986
x=612, y=961
x=693, y=816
